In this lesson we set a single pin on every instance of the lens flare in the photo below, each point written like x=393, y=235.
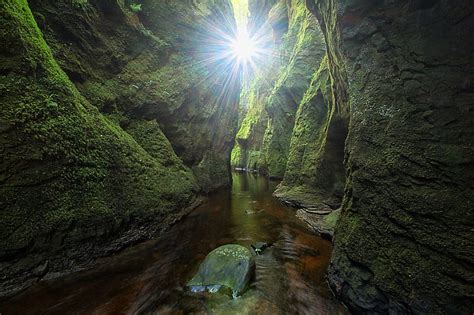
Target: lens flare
x=231, y=52
x=243, y=48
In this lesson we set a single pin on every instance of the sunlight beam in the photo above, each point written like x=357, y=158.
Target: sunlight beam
x=243, y=48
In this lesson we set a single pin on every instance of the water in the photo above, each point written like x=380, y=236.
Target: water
x=149, y=278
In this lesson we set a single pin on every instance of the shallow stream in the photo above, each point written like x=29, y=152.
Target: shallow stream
x=149, y=278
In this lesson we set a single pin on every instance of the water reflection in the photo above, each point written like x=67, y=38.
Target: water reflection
x=149, y=278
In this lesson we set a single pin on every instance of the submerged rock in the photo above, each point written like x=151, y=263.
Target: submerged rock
x=229, y=266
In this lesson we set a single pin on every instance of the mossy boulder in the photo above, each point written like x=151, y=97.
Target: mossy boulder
x=231, y=266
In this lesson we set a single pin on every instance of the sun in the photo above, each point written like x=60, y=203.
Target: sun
x=233, y=50
x=243, y=48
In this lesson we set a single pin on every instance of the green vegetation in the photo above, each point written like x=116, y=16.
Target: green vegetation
x=66, y=167
x=264, y=137
x=140, y=73
x=79, y=3
x=136, y=7
x=100, y=152
x=330, y=220
x=241, y=12
x=315, y=173
x=401, y=243
x=230, y=265
x=112, y=123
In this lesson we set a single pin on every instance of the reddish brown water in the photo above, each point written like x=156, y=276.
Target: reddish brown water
x=149, y=278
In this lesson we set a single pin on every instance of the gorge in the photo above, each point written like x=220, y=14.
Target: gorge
x=122, y=124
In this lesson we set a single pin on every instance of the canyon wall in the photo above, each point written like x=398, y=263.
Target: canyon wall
x=385, y=126
x=110, y=125
x=294, y=128
x=263, y=141
x=152, y=63
x=315, y=175
x=404, y=241
x=113, y=119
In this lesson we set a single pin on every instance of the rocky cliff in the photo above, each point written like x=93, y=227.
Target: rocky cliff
x=294, y=128
x=404, y=242
x=148, y=61
x=388, y=115
x=106, y=127
x=263, y=140
x=315, y=176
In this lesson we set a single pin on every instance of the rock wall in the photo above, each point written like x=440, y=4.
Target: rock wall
x=315, y=175
x=249, y=139
x=247, y=152
x=397, y=82
x=275, y=97
x=403, y=243
x=294, y=128
x=152, y=63
x=259, y=10
x=302, y=50
x=93, y=107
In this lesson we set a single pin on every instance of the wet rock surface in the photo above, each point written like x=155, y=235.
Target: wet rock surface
x=110, y=126
x=138, y=68
x=403, y=243
x=315, y=175
x=260, y=247
x=231, y=266
x=322, y=224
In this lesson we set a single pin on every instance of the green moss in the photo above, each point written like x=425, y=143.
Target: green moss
x=265, y=134
x=315, y=172
x=236, y=156
x=212, y=166
x=136, y=7
x=397, y=247
x=79, y=3
x=229, y=265
x=330, y=220
x=154, y=72
x=302, y=49
x=66, y=163
x=247, y=149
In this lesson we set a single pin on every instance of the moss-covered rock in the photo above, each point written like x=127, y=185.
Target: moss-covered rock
x=247, y=150
x=150, y=64
x=231, y=266
x=302, y=50
x=258, y=14
x=264, y=137
x=76, y=182
x=315, y=174
x=322, y=223
x=294, y=128
x=403, y=243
